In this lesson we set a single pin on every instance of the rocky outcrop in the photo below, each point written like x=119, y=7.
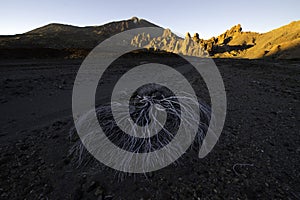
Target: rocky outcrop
x=59, y=40
x=228, y=35
x=196, y=37
x=192, y=46
x=169, y=42
x=280, y=43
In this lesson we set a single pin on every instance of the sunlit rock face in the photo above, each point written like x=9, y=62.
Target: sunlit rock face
x=191, y=46
x=170, y=42
x=280, y=43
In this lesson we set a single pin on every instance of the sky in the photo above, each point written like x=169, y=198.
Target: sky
x=208, y=18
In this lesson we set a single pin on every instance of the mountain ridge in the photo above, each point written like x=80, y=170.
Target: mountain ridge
x=63, y=36
x=70, y=41
x=280, y=43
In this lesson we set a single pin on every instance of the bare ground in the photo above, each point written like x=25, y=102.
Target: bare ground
x=256, y=157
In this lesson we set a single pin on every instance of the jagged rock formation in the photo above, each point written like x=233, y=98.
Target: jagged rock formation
x=281, y=43
x=170, y=42
x=193, y=46
x=59, y=40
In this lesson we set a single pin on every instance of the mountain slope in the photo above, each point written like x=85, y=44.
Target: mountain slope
x=60, y=36
x=66, y=41
x=281, y=43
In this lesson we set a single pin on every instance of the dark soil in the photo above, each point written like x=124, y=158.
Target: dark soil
x=256, y=157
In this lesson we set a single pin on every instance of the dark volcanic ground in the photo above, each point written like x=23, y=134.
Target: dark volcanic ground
x=256, y=157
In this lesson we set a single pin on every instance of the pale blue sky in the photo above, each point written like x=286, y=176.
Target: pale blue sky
x=208, y=18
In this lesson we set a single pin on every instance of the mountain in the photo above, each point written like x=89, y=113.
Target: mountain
x=60, y=40
x=61, y=36
x=281, y=43
x=66, y=41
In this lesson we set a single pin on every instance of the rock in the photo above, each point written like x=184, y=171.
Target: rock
x=171, y=43
x=232, y=43
x=196, y=37
x=167, y=33
x=235, y=29
x=187, y=35
x=135, y=19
